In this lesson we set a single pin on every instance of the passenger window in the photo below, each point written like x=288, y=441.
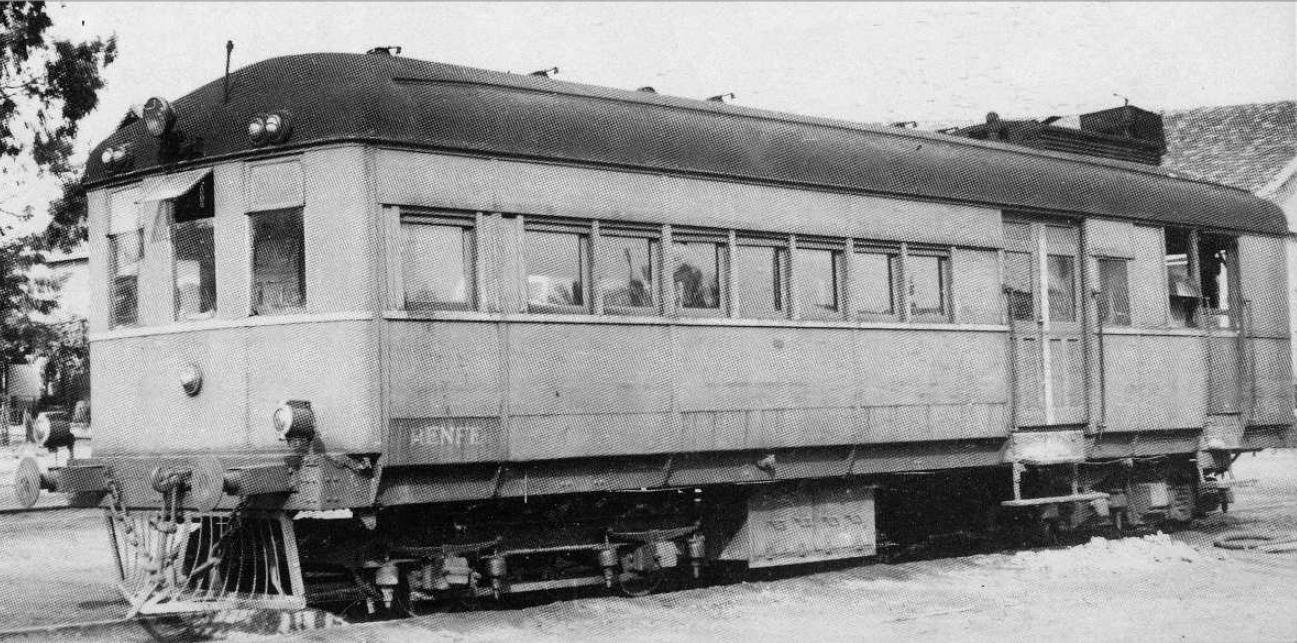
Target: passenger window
x=194, y=251
x=816, y=275
x=278, y=261
x=127, y=250
x=1062, y=288
x=1018, y=285
x=1182, y=293
x=1218, y=261
x=557, y=263
x=929, y=286
x=437, y=264
x=627, y=279
x=874, y=279
x=696, y=276
x=761, y=280
x=1114, y=292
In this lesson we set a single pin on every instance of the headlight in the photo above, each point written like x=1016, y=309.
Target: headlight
x=191, y=379
x=274, y=125
x=294, y=420
x=158, y=116
x=257, y=129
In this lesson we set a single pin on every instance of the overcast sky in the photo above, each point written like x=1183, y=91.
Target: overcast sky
x=865, y=62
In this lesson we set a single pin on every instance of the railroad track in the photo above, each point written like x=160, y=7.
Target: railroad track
x=184, y=627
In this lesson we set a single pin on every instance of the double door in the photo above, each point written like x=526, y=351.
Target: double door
x=1043, y=297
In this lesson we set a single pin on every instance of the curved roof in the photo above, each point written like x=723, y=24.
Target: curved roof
x=402, y=101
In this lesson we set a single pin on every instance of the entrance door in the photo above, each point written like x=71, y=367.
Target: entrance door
x=1042, y=279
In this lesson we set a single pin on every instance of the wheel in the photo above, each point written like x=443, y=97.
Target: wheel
x=638, y=584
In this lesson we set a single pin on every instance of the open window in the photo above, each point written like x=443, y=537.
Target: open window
x=437, y=254
x=278, y=262
x=1182, y=287
x=193, y=251
x=1218, y=268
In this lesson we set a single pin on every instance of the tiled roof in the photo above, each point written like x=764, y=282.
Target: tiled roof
x=1240, y=145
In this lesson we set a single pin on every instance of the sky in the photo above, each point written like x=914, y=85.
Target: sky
x=872, y=62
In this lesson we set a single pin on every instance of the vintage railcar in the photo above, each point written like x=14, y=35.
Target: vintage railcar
x=372, y=327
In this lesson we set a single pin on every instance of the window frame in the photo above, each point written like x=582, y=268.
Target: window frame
x=722, y=243
x=207, y=184
x=175, y=262
x=113, y=274
x=837, y=250
x=1103, y=308
x=1233, y=299
x=467, y=225
x=1193, y=318
x=945, y=267
x=624, y=230
x=252, y=265
x=782, y=259
x=583, y=230
x=896, y=275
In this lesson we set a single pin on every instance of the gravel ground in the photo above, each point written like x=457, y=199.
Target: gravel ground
x=55, y=567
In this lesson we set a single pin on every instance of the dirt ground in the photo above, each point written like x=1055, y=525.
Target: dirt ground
x=55, y=567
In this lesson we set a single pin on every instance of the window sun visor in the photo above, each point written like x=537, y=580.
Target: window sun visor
x=170, y=186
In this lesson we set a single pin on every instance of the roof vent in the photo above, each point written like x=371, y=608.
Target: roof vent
x=544, y=73
x=390, y=50
x=720, y=98
x=647, y=90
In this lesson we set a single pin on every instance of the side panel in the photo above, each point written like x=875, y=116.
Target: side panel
x=976, y=284
x=469, y=391
x=1154, y=382
x=1263, y=273
x=1147, y=274
x=140, y=407
x=1269, y=385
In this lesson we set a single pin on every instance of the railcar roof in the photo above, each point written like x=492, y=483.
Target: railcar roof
x=402, y=101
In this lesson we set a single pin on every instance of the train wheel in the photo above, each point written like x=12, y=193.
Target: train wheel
x=638, y=584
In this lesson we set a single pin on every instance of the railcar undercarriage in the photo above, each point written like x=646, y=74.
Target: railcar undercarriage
x=405, y=559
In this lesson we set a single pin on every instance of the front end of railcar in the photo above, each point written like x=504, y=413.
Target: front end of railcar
x=235, y=382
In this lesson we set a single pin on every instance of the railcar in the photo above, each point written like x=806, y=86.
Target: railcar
x=369, y=328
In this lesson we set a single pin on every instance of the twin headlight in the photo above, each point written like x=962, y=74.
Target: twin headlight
x=271, y=128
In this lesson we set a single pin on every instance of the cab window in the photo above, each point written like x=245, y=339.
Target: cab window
x=126, y=250
x=193, y=251
x=278, y=261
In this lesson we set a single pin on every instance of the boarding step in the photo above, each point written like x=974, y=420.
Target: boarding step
x=1054, y=500
x=1043, y=448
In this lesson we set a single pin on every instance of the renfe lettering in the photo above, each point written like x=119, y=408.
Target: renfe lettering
x=445, y=436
